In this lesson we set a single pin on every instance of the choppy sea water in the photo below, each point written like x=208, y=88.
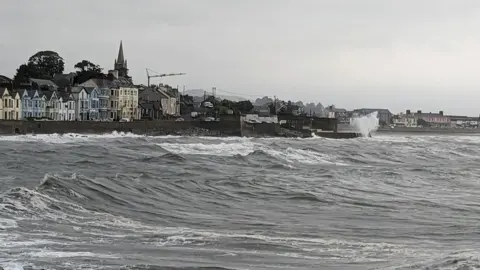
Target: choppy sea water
x=123, y=201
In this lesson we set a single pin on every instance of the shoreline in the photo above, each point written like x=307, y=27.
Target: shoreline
x=420, y=131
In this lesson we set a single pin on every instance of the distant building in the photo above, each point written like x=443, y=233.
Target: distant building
x=169, y=103
x=341, y=114
x=407, y=119
x=433, y=119
x=464, y=121
x=150, y=110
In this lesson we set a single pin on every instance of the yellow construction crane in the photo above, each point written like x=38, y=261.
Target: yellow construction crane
x=160, y=75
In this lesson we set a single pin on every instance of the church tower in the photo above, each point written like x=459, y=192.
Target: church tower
x=120, y=64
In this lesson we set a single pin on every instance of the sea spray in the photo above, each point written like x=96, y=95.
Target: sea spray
x=365, y=124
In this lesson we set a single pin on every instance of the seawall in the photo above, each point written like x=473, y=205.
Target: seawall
x=428, y=130
x=160, y=127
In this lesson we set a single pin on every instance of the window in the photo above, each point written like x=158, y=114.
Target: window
x=18, y=104
x=16, y=113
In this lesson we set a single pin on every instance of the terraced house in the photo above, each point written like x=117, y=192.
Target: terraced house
x=81, y=103
x=93, y=103
x=104, y=92
x=11, y=107
x=67, y=107
x=38, y=102
x=52, y=104
x=128, y=102
x=27, y=104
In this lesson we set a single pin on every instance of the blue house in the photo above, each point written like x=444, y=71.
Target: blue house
x=38, y=102
x=27, y=104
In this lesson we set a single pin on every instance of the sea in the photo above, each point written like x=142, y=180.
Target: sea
x=124, y=201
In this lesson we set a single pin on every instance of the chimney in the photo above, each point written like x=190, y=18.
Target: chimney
x=408, y=112
x=114, y=73
x=419, y=111
x=441, y=113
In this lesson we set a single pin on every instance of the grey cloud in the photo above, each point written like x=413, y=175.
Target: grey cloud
x=381, y=53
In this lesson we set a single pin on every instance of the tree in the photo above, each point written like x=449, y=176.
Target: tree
x=42, y=65
x=87, y=70
x=47, y=63
x=243, y=106
x=24, y=72
x=87, y=66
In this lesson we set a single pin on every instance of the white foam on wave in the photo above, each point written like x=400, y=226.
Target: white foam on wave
x=67, y=137
x=68, y=254
x=303, y=156
x=221, y=149
x=291, y=155
x=12, y=266
x=23, y=244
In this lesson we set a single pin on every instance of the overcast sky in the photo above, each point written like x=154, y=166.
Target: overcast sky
x=417, y=54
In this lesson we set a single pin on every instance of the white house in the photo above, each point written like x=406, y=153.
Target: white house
x=66, y=110
x=52, y=104
x=81, y=103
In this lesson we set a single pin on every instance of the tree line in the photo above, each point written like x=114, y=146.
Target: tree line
x=45, y=64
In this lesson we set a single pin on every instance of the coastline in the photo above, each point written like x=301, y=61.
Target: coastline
x=149, y=128
x=420, y=131
x=229, y=128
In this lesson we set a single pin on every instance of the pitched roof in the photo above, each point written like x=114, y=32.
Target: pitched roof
x=31, y=93
x=48, y=94
x=21, y=91
x=430, y=114
x=65, y=96
x=77, y=89
x=42, y=82
x=122, y=82
x=89, y=89
x=5, y=79
x=97, y=82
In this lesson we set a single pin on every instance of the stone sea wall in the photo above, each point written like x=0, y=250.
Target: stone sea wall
x=428, y=130
x=158, y=128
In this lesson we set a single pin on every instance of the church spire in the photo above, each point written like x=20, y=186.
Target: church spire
x=120, y=58
x=120, y=63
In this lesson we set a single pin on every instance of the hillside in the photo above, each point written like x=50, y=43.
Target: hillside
x=200, y=93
